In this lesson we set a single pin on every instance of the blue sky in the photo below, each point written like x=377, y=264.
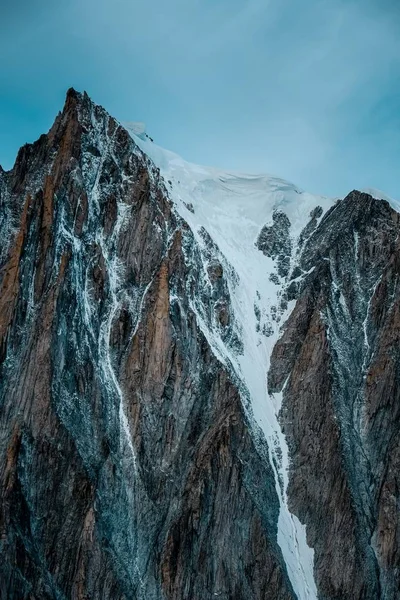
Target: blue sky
x=306, y=90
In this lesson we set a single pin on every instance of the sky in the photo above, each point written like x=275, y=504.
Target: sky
x=306, y=90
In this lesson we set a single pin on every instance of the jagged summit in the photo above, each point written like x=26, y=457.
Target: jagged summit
x=199, y=378
x=171, y=164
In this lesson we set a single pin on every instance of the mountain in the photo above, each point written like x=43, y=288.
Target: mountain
x=199, y=378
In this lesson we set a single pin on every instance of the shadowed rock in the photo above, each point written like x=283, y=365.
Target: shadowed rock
x=123, y=440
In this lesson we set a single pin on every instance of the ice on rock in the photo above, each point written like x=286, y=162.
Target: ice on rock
x=136, y=128
x=232, y=208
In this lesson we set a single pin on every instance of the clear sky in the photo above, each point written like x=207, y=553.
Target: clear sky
x=308, y=90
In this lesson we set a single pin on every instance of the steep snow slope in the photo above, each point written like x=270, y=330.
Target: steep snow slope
x=233, y=208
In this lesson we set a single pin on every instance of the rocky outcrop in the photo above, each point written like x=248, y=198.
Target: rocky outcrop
x=128, y=467
x=131, y=462
x=275, y=241
x=338, y=355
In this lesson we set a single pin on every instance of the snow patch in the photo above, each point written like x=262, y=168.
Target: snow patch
x=136, y=128
x=232, y=208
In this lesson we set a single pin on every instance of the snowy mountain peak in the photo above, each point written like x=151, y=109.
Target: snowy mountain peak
x=234, y=209
x=215, y=193
x=199, y=391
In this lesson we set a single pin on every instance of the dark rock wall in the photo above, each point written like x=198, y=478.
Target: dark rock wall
x=127, y=465
x=341, y=403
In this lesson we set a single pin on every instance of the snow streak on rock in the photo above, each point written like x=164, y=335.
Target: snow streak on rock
x=232, y=209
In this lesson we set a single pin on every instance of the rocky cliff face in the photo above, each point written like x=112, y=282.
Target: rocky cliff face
x=141, y=446
x=339, y=358
x=128, y=469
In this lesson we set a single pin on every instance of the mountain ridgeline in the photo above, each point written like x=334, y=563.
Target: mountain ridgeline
x=199, y=378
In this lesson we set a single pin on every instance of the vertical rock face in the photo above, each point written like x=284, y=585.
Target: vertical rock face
x=339, y=354
x=136, y=460
x=127, y=464
x=275, y=241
